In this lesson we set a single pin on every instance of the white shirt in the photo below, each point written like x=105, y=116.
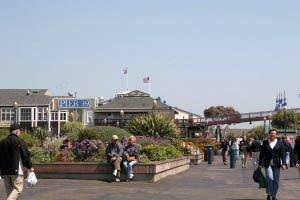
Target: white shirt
x=272, y=144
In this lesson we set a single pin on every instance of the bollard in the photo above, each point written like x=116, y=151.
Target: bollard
x=233, y=157
x=209, y=153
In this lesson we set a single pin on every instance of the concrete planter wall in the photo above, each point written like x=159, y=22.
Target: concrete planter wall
x=152, y=171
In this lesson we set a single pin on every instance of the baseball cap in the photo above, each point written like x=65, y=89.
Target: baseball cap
x=14, y=127
x=115, y=137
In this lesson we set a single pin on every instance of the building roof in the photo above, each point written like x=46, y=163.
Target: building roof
x=187, y=112
x=25, y=97
x=135, y=100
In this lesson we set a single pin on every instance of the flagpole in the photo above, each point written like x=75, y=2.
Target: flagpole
x=127, y=81
x=149, y=90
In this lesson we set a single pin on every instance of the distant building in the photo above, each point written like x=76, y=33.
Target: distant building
x=37, y=108
x=120, y=109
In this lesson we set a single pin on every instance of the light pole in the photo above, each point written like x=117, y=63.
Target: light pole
x=285, y=121
x=16, y=111
x=122, y=115
x=265, y=119
x=154, y=105
x=270, y=117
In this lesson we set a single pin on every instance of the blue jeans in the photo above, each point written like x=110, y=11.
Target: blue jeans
x=272, y=180
x=128, y=167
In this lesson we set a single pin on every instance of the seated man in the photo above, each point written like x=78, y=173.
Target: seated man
x=114, y=153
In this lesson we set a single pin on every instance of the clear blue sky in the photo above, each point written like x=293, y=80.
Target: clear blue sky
x=197, y=53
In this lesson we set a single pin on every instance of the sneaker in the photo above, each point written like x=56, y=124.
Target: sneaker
x=131, y=176
x=117, y=180
x=115, y=172
x=269, y=197
x=274, y=198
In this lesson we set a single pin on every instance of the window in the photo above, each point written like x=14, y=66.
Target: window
x=25, y=114
x=7, y=114
x=63, y=116
x=42, y=114
x=54, y=116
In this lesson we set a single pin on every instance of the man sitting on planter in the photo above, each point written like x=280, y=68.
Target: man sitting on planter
x=114, y=153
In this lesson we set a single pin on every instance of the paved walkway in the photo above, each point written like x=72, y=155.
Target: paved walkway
x=212, y=182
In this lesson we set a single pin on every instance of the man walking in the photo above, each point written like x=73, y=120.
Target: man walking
x=14, y=156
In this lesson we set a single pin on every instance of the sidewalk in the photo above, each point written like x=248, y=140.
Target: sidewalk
x=213, y=182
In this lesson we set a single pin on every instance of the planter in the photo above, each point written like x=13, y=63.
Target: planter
x=152, y=171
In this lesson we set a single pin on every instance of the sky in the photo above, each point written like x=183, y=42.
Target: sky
x=196, y=53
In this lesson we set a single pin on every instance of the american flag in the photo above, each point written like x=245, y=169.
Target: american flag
x=125, y=70
x=146, y=79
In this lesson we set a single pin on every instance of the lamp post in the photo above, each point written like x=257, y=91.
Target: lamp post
x=122, y=115
x=265, y=119
x=16, y=111
x=285, y=121
x=154, y=105
x=270, y=117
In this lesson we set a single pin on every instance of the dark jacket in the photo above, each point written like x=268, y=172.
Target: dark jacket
x=114, y=150
x=297, y=151
x=255, y=146
x=12, y=149
x=276, y=154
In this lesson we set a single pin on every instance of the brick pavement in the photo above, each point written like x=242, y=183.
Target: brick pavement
x=214, y=182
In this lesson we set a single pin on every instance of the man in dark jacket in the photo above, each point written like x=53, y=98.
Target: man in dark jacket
x=14, y=156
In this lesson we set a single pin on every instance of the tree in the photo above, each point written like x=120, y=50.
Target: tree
x=219, y=112
x=256, y=132
x=284, y=119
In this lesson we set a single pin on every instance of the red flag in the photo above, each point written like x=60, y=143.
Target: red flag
x=125, y=70
x=146, y=79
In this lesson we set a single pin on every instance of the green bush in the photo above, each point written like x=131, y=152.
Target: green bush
x=106, y=132
x=30, y=139
x=90, y=134
x=4, y=132
x=40, y=154
x=153, y=124
x=156, y=152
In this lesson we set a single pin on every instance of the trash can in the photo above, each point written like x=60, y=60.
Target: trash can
x=208, y=153
x=233, y=156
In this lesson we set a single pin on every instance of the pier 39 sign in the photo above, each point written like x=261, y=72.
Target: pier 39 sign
x=74, y=103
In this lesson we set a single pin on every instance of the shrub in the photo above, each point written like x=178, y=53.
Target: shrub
x=30, y=139
x=156, y=152
x=153, y=124
x=40, y=154
x=89, y=150
x=106, y=132
x=4, y=132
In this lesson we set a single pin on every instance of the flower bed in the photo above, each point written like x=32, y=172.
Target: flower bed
x=152, y=171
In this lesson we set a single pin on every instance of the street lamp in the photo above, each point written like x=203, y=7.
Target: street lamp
x=270, y=117
x=285, y=121
x=154, y=105
x=16, y=112
x=265, y=125
x=122, y=115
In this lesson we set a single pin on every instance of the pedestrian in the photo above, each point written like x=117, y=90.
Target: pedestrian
x=131, y=157
x=243, y=146
x=14, y=159
x=297, y=153
x=114, y=153
x=225, y=149
x=272, y=158
x=255, y=148
x=287, y=149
